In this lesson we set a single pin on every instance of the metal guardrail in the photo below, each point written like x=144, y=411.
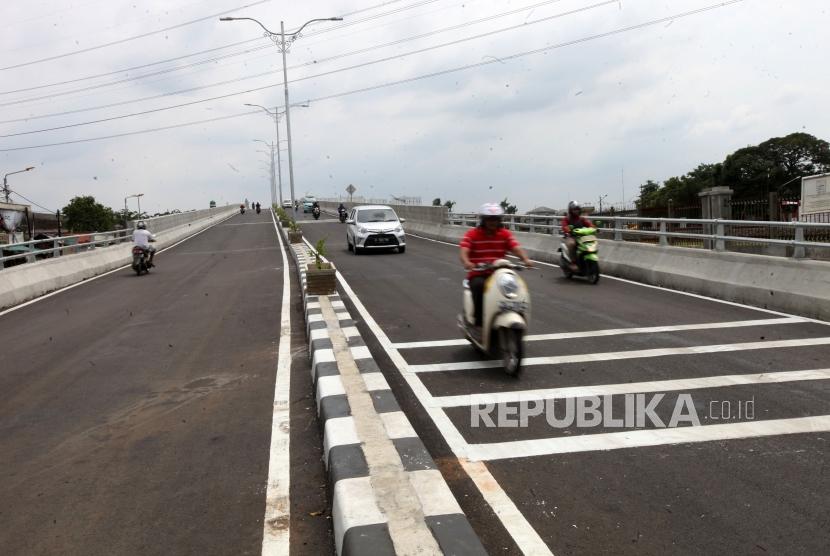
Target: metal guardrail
x=714, y=234
x=34, y=250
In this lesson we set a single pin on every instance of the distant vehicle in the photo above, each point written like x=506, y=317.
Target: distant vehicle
x=374, y=227
x=286, y=204
x=308, y=203
x=141, y=259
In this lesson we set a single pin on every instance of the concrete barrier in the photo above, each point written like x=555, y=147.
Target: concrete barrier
x=22, y=283
x=433, y=215
x=795, y=286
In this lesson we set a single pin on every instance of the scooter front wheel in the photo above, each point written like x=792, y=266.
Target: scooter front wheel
x=563, y=264
x=511, y=349
x=593, y=272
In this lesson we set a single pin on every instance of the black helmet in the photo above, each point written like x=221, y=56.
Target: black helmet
x=574, y=206
x=141, y=225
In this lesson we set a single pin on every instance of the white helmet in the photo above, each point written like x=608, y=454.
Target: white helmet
x=490, y=209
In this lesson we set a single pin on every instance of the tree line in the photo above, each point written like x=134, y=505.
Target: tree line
x=753, y=172
x=85, y=214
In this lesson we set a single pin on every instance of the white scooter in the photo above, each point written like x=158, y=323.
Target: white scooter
x=505, y=312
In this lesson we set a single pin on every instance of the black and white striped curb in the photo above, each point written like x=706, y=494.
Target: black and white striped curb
x=360, y=524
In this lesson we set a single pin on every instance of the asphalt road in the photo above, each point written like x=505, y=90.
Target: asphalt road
x=750, y=485
x=136, y=411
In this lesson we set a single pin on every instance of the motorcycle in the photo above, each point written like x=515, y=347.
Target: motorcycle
x=587, y=259
x=505, y=311
x=316, y=212
x=141, y=260
x=241, y=209
x=258, y=210
x=342, y=216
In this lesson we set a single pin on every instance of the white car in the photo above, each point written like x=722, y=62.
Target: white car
x=374, y=227
x=286, y=203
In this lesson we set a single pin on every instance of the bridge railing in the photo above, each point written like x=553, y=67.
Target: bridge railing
x=30, y=251
x=792, y=239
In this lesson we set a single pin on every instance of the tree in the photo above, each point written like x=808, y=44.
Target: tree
x=449, y=205
x=436, y=202
x=507, y=207
x=758, y=170
x=83, y=214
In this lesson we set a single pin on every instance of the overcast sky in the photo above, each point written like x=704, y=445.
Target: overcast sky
x=580, y=120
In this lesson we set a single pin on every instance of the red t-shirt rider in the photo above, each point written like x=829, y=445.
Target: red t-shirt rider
x=487, y=242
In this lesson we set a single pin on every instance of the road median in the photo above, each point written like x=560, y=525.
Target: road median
x=388, y=496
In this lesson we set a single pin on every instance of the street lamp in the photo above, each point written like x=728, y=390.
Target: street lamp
x=127, y=211
x=6, y=181
x=284, y=43
x=271, y=146
x=276, y=115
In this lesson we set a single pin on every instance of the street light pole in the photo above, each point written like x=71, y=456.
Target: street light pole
x=6, y=190
x=284, y=47
x=273, y=180
x=276, y=114
x=283, y=44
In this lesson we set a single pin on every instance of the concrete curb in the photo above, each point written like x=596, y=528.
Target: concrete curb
x=361, y=526
x=25, y=282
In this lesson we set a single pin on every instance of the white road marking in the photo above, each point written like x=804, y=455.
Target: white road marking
x=630, y=388
x=276, y=524
x=616, y=332
x=517, y=526
x=618, y=355
x=522, y=533
x=88, y=280
x=650, y=437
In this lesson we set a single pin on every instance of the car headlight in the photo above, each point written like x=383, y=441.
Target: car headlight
x=508, y=285
x=362, y=230
x=398, y=230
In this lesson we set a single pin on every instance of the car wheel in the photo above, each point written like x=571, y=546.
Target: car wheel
x=356, y=249
x=402, y=249
x=348, y=244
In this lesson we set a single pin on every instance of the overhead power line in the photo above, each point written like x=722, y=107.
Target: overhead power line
x=500, y=59
x=126, y=70
x=125, y=80
x=323, y=74
x=128, y=39
x=370, y=8
x=31, y=202
x=168, y=60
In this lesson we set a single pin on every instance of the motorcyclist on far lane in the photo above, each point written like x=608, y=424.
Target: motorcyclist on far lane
x=573, y=219
x=142, y=238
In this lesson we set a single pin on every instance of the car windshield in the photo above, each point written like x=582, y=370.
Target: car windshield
x=376, y=215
